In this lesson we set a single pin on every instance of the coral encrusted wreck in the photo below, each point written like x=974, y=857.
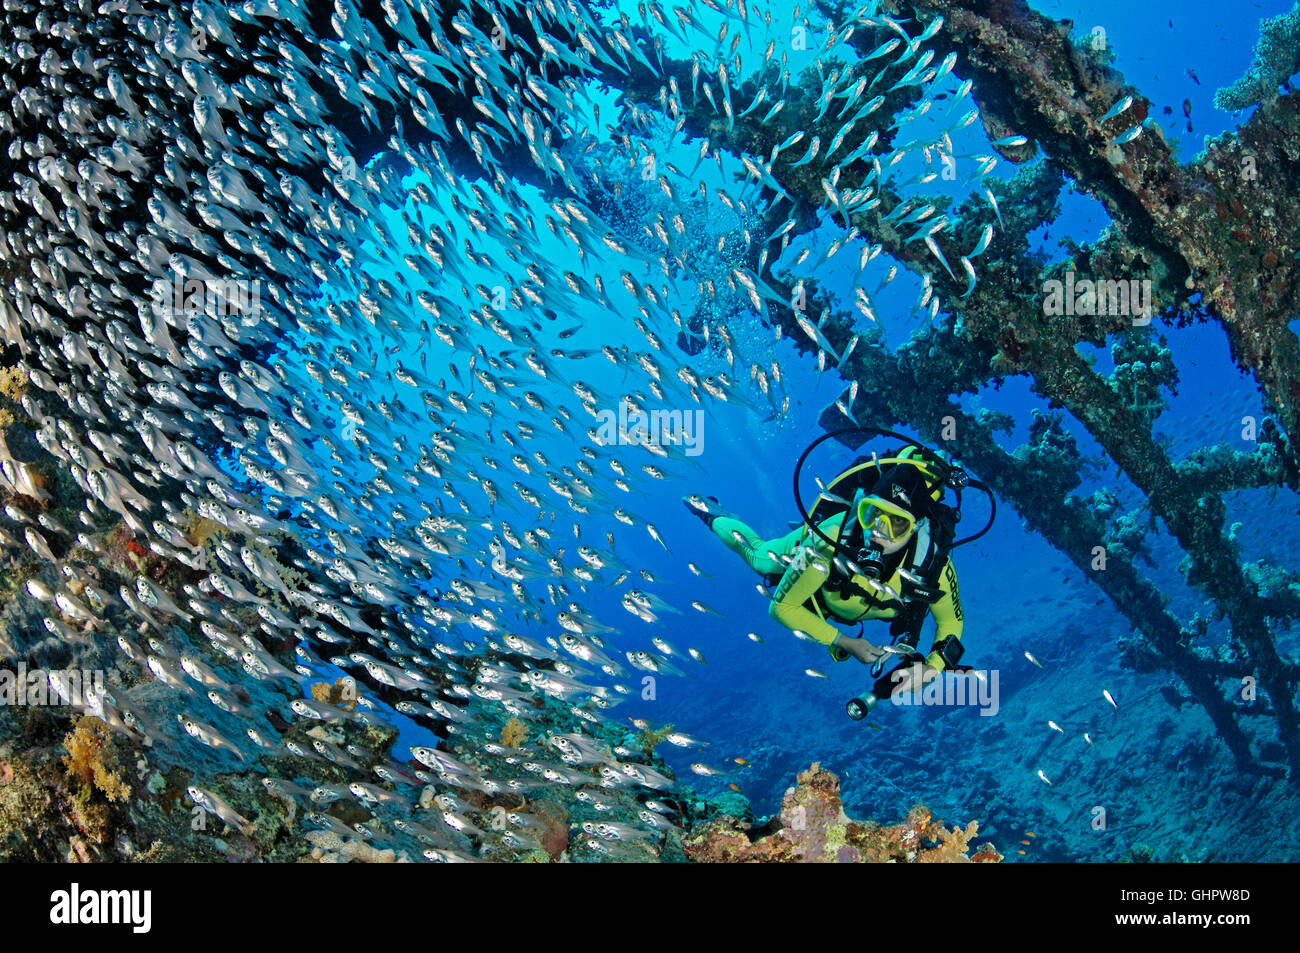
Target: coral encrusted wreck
x=813, y=828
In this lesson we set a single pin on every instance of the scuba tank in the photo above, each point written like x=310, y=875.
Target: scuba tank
x=854, y=554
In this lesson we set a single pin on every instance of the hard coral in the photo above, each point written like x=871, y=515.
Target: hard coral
x=815, y=829
x=1277, y=59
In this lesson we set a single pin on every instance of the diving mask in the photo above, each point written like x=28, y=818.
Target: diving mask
x=885, y=520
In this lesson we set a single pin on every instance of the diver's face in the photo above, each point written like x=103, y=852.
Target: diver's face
x=888, y=545
x=890, y=532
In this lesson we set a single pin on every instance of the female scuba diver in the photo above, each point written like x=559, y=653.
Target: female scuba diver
x=881, y=554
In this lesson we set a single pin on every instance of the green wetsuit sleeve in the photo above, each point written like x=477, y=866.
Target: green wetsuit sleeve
x=947, y=612
x=802, y=579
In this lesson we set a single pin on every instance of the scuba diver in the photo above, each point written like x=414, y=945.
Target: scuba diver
x=876, y=546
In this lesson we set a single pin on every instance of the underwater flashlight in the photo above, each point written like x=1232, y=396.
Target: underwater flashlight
x=859, y=707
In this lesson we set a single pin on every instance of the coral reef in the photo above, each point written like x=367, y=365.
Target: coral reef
x=51, y=810
x=1277, y=59
x=92, y=759
x=813, y=828
x=330, y=848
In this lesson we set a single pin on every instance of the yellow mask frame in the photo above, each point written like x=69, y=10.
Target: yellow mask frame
x=894, y=522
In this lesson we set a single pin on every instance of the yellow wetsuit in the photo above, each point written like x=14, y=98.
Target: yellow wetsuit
x=802, y=602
